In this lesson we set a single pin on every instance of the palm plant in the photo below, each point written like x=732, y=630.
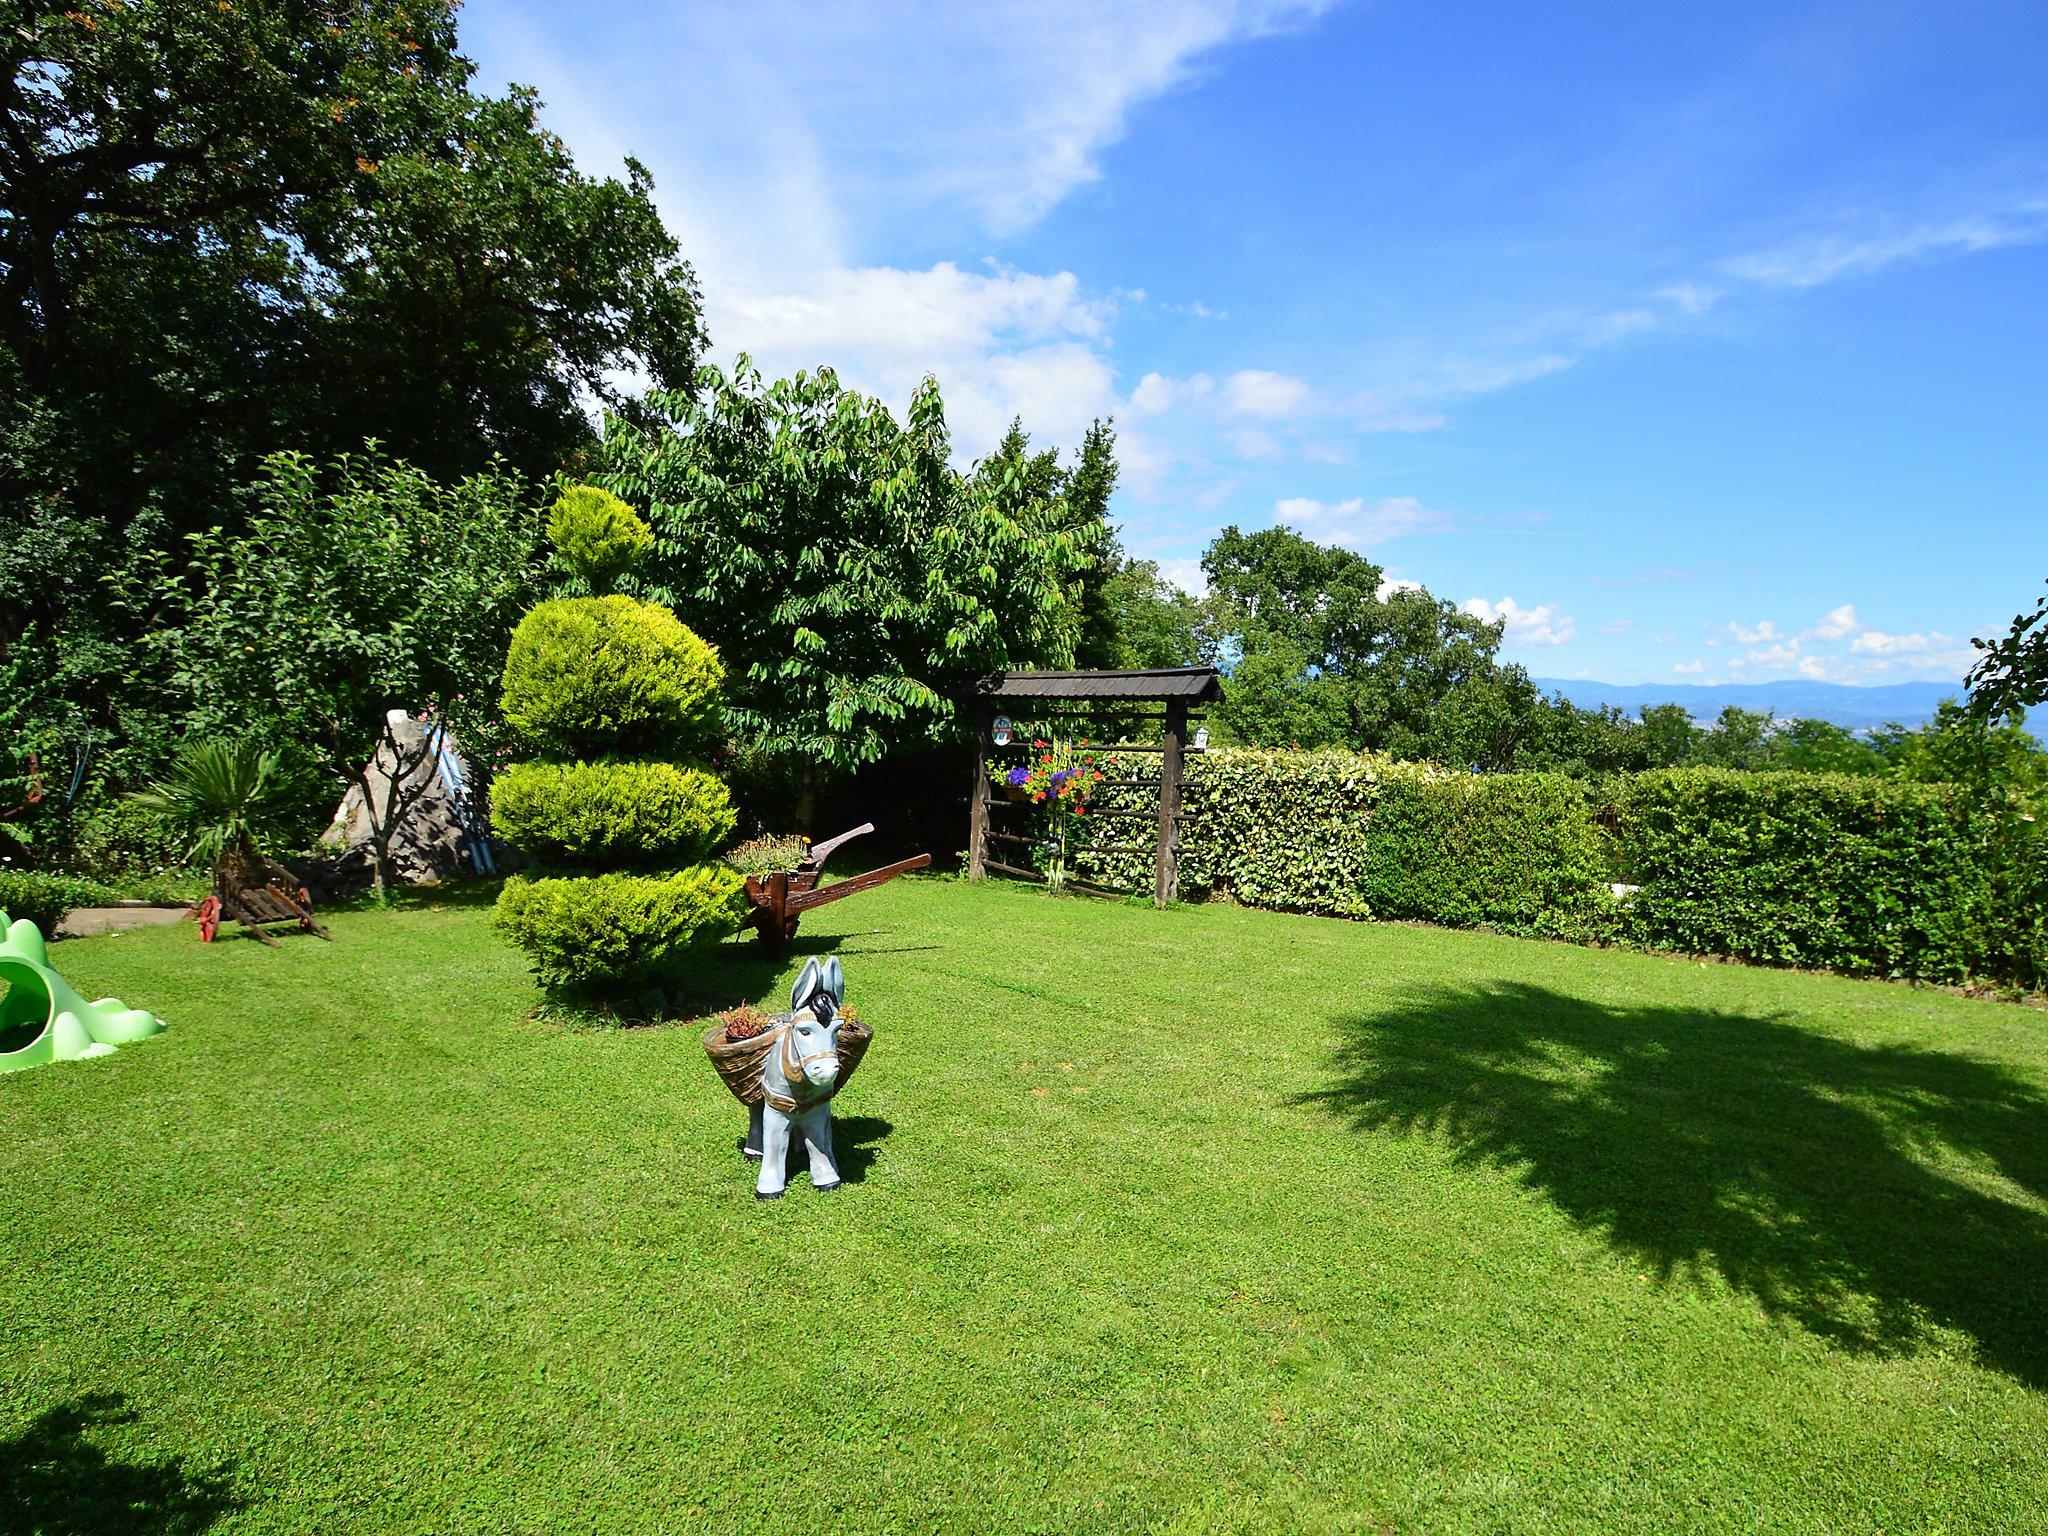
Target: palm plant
x=223, y=794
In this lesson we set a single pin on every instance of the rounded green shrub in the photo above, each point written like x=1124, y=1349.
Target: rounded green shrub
x=46, y=899
x=580, y=932
x=597, y=536
x=591, y=677
x=611, y=813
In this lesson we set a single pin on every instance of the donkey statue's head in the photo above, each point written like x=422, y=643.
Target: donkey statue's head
x=811, y=1047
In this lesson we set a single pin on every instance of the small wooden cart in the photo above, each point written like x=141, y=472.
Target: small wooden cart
x=253, y=891
x=781, y=898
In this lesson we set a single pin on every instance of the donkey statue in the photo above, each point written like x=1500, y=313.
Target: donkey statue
x=798, y=1078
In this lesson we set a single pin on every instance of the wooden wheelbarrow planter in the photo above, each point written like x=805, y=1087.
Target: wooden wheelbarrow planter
x=252, y=892
x=780, y=899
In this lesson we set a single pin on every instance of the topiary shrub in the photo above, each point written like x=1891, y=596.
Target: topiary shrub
x=606, y=689
x=611, y=814
x=597, y=536
x=610, y=676
x=600, y=928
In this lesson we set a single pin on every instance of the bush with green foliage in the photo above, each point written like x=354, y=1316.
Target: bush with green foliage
x=1348, y=834
x=1849, y=873
x=601, y=676
x=609, y=927
x=45, y=899
x=611, y=814
x=597, y=537
x=1844, y=872
x=1519, y=852
x=599, y=685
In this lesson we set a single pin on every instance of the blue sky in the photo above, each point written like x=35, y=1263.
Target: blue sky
x=1702, y=343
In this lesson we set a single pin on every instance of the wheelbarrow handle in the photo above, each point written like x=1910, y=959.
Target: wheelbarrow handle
x=820, y=852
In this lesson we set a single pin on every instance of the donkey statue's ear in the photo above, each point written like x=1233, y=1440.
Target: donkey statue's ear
x=809, y=982
x=835, y=980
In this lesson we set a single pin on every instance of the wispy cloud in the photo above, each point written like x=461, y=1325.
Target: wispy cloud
x=1824, y=258
x=1360, y=524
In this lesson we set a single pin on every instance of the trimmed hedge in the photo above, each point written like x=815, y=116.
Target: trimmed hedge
x=602, y=927
x=611, y=813
x=1853, y=874
x=1347, y=834
x=591, y=677
x=1862, y=875
x=1518, y=852
x=47, y=899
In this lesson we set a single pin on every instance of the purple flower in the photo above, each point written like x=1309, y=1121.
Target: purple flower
x=1017, y=776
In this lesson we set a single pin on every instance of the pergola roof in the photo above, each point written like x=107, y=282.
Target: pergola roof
x=1188, y=685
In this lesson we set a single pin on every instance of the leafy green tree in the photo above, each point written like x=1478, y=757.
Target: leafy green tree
x=230, y=229
x=332, y=607
x=2012, y=672
x=1150, y=621
x=846, y=572
x=1738, y=738
x=1820, y=746
x=2001, y=759
x=1318, y=656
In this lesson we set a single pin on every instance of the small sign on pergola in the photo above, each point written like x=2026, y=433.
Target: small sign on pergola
x=1173, y=696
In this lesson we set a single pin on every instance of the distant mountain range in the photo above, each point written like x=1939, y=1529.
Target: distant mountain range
x=1854, y=707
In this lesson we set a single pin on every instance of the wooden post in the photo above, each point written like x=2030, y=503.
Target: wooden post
x=1166, y=875
x=977, y=802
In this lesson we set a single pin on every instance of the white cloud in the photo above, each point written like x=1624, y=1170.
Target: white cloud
x=805, y=123
x=1689, y=667
x=1810, y=262
x=1359, y=524
x=1757, y=636
x=1157, y=394
x=1268, y=396
x=1188, y=575
x=1667, y=639
x=1839, y=624
x=1543, y=625
x=1616, y=627
x=1875, y=642
x=1393, y=586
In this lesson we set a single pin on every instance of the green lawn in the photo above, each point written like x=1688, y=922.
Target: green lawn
x=1201, y=1220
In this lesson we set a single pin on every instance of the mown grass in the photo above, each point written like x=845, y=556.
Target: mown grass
x=1201, y=1220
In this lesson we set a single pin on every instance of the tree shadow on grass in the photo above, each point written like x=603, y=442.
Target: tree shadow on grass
x=53, y=1480
x=1871, y=1194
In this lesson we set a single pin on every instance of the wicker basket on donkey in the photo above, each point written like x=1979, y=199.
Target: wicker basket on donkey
x=739, y=1062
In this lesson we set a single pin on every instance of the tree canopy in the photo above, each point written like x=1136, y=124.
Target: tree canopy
x=846, y=571
x=231, y=229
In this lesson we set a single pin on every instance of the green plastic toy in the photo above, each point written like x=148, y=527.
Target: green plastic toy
x=68, y=1028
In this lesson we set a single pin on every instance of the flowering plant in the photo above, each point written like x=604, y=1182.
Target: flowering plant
x=1063, y=773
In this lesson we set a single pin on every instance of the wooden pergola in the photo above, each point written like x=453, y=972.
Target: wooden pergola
x=1171, y=695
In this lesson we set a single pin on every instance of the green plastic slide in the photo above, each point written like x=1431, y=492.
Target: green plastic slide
x=58, y=1024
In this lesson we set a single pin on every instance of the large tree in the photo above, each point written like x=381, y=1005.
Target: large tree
x=1323, y=654
x=227, y=229
x=846, y=571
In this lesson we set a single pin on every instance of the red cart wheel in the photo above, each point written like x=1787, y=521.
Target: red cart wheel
x=209, y=919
